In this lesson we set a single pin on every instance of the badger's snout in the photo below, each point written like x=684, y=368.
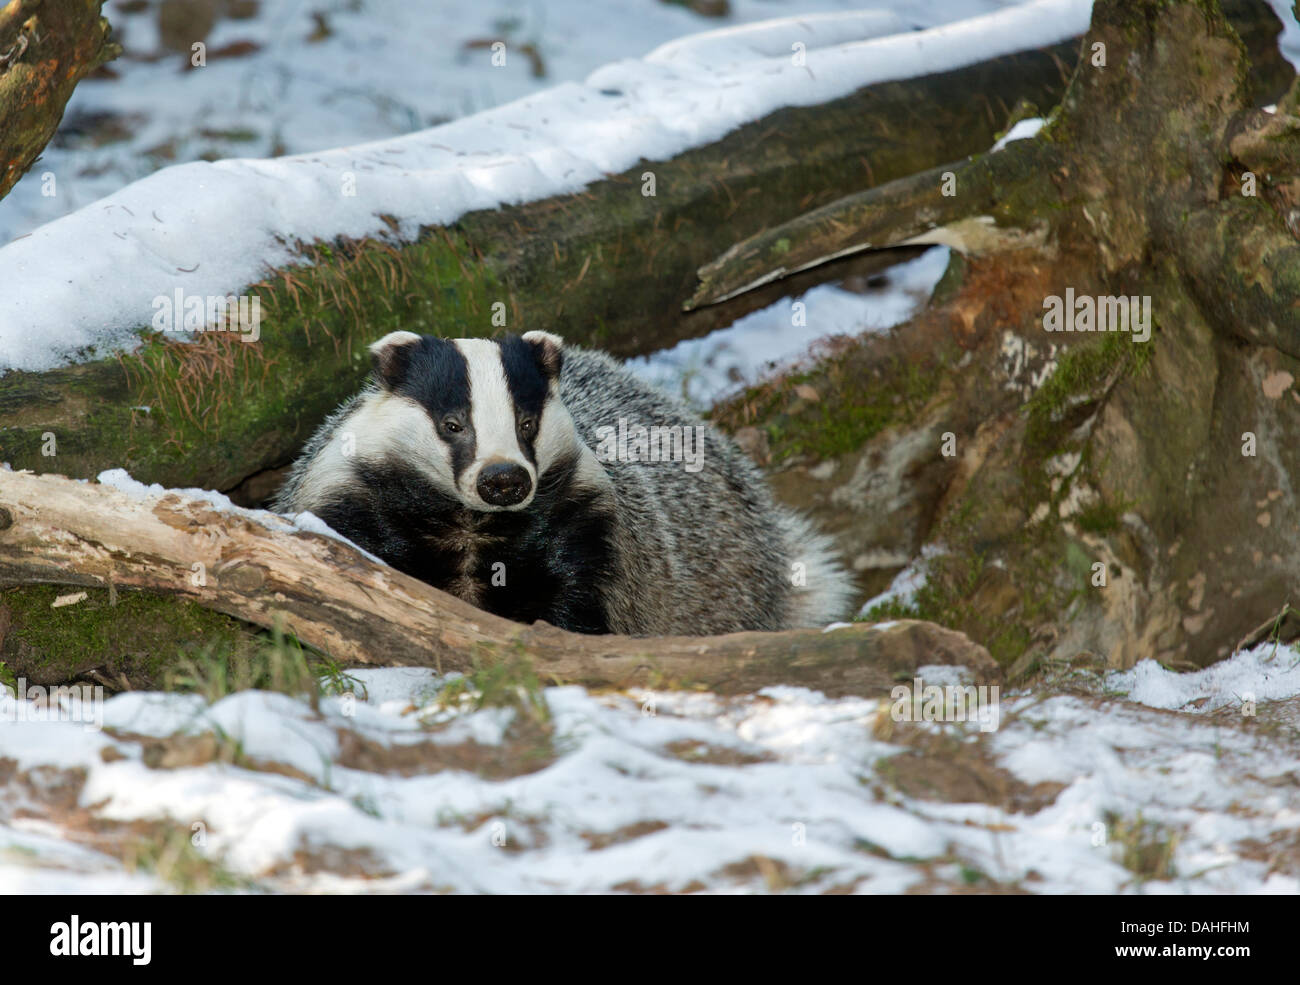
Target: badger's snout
x=504, y=484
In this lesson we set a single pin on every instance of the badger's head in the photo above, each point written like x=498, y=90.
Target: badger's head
x=481, y=419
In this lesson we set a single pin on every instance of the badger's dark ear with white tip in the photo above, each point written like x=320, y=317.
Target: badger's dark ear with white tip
x=548, y=350
x=391, y=356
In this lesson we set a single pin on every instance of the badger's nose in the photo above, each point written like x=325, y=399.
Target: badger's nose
x=504, y=484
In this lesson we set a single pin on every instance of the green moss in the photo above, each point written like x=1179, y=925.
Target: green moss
x=134, y=639
x=851, y=406
x=152, y=641
x=954, y=275
x=1082, y=371
x=891, y=609
x=1099, y=517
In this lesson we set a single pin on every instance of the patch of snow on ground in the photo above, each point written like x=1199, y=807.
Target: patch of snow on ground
x=1262, y=673
x=902, y=590
x=702, y=371
x=787, y=789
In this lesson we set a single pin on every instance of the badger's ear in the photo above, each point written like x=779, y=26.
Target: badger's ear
x=548, y=350
x=391, y=355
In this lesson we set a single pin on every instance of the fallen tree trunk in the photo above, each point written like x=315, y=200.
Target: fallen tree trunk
x=256, y=567
x=46, y=48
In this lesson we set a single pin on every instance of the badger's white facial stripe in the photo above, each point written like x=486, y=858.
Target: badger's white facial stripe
x=489, y=387
x=494, y=417
x=394, y=425
x=556, y=438
x=380, y=425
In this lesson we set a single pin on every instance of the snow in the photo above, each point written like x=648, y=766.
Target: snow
x=902, y=590
x=1022, y=130
x=210, y=229
x=121, y=480
x=705, y=370
x=668, y=789
x=788, y=789
x=296, y=96
x=306, y=521
x=1263, y=673
x=1289, y=41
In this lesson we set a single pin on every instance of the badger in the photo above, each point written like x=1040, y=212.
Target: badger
x=473, y=465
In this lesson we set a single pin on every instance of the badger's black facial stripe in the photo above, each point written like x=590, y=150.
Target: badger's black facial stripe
x=527, y=385
x=437, y=377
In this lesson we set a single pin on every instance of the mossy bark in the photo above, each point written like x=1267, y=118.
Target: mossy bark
x=46, y=48
x=1085, y=493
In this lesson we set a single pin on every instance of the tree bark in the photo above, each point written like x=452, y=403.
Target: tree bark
x=46, y=48
x=328, y=594
x=1080, y=493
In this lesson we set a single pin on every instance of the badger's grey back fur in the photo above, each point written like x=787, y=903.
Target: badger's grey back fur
x=704, y=552
x=690, y=552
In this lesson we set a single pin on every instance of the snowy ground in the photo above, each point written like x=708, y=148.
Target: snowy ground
x=282, y=81
x=1086, y=791
x=705, y=370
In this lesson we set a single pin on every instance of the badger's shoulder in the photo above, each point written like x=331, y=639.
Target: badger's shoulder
x=601, y=393
x=598, y=390
x=307, y=479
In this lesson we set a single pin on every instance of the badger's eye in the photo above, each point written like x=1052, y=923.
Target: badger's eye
x=528, y=425
x=451, y=427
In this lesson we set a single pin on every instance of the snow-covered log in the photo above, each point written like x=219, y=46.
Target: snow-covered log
x=261, y=568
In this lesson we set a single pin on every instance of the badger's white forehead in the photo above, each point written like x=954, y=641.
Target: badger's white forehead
x=492, y=406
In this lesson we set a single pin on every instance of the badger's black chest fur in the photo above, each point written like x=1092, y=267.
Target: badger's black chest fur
x=544, y=562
